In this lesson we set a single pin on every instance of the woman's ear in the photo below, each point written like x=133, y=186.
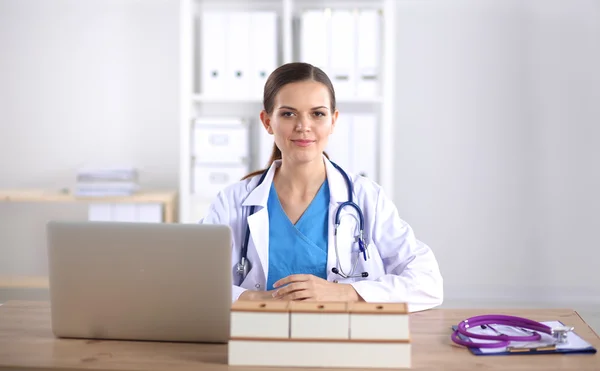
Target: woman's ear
x=265, y=118
x=334, y=118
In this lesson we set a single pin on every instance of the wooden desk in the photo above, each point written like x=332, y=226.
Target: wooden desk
x=27, y=343
x=168, y=199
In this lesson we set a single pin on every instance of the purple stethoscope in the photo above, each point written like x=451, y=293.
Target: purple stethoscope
x=502, y=340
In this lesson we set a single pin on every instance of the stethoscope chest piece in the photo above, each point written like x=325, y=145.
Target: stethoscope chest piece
x=243, y=267
x=561, y=333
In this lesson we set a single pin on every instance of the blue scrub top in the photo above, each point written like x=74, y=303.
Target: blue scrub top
x=299, y=248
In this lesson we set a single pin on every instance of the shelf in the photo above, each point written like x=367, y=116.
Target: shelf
x=239, y=4
x=359, y=100
x=36, y=195
x=198, y=98
x=338, y=4
x=195, y=103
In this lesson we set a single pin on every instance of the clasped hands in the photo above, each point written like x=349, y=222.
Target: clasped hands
x=305, y=287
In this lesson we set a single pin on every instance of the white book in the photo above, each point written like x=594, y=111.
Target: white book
x=311, y=321
x=107, y=174
x=119, y=186
x=347, y=354
x=102, y=193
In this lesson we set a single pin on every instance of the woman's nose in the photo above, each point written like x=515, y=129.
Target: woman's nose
x=303, y=123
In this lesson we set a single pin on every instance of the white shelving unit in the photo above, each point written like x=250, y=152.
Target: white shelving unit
x=196, y=103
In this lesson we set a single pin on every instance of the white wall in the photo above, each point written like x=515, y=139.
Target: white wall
x=82, y=82
x=498, y=145
x=564, y=69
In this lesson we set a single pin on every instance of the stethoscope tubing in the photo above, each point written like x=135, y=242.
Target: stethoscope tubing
x=501, y=340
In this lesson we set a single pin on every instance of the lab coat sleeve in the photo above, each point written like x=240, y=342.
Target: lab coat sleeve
x=412, y=273
x=218, y=213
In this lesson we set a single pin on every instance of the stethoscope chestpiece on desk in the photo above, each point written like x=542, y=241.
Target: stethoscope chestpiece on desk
x=561, y=334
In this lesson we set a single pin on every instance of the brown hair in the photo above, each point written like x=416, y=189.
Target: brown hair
x=283, y=75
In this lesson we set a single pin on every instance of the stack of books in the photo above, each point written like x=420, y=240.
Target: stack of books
x=319, y=334
x=106, y=182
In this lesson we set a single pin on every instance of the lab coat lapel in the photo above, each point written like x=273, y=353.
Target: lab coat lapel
x=259, y=221
x=259, y=235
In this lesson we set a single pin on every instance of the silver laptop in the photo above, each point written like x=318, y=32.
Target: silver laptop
x=140, y=281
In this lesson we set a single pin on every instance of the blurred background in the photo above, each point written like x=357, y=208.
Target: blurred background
x=480, y=118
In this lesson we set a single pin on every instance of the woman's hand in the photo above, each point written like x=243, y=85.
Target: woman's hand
x=309, y=287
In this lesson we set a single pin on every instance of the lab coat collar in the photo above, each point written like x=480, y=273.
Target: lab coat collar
x=258, y=196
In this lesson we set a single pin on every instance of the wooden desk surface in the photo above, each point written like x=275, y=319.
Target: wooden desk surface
x=24, y=282
x=27, y=343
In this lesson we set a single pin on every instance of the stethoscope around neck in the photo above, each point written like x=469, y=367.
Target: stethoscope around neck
x=244, y=265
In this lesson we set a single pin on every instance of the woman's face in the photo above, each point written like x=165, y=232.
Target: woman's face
x=301, y=121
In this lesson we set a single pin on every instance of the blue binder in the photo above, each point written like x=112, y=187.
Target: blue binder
x=575, y=344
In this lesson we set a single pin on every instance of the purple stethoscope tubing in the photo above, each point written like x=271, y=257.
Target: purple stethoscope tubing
x=501, y=339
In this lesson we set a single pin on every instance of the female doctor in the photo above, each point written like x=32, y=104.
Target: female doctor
x=285, y=244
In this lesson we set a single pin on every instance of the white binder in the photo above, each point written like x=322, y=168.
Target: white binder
x=125, y=212
x=339, y=147
x=364, y=144
x=263, y=56
x=238, y=55
x=314, y=40
x=343, y=52
x=368, y=54
x=99, y=212
x=150, y=213
x=212, y=53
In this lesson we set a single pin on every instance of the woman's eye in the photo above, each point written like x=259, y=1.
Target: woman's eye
x=287, y=114
x=319, y=114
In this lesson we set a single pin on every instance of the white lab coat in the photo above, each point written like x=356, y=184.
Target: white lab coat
x=400, y=268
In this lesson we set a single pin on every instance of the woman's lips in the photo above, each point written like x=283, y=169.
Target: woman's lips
x=303, y=142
